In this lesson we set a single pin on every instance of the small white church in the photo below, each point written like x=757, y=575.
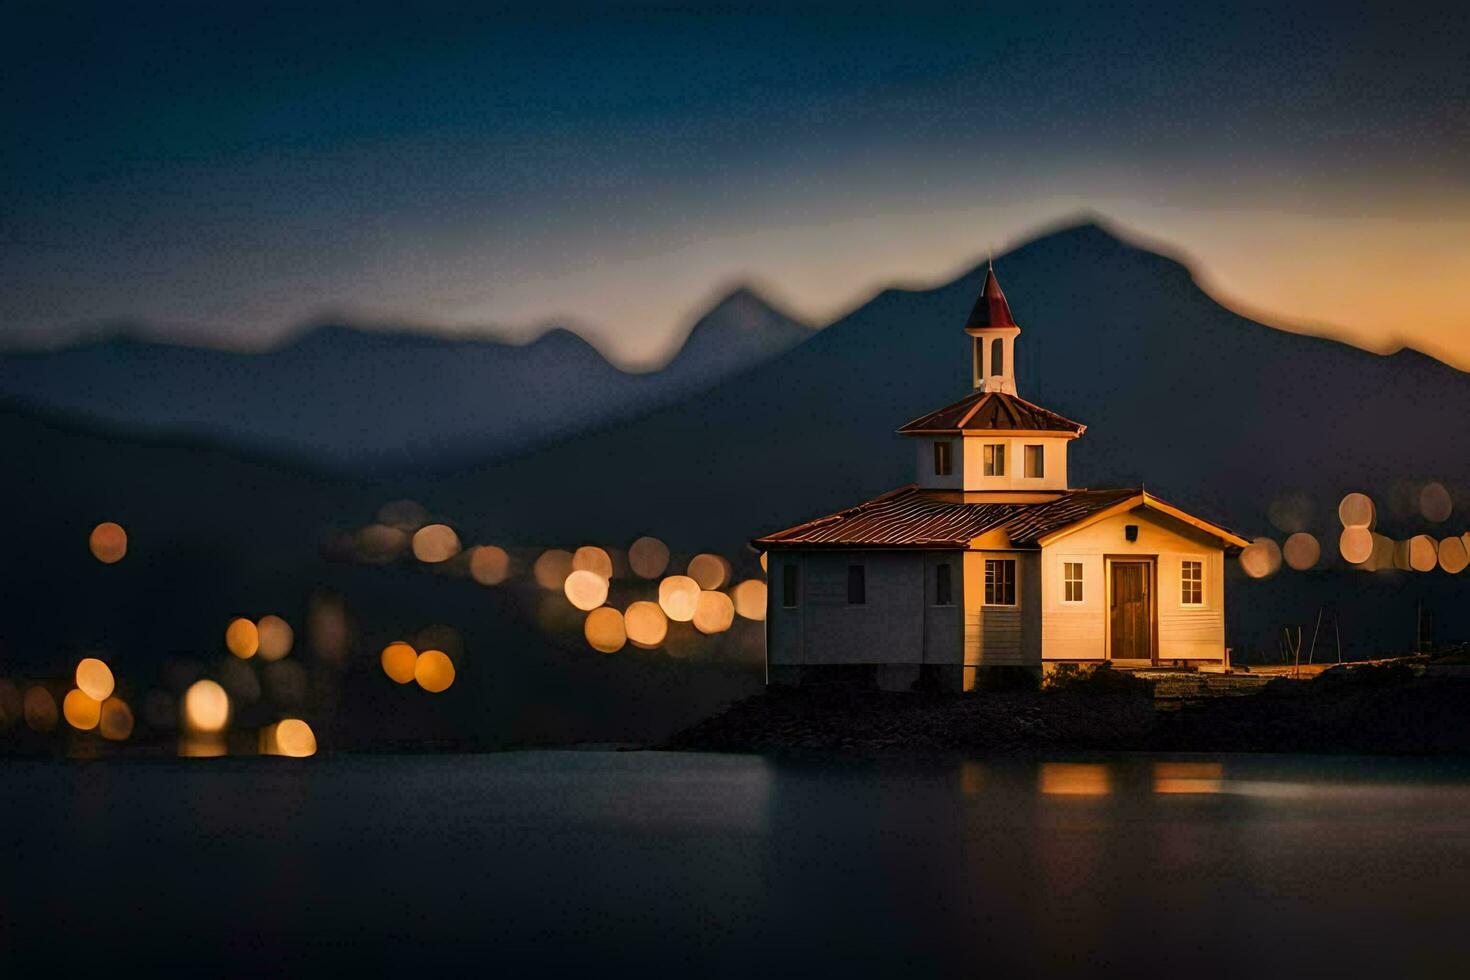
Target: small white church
x=991, y=558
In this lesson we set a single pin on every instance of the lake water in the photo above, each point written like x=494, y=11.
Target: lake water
x=609, y=863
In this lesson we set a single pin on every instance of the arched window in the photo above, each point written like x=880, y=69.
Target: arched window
x=997, y=357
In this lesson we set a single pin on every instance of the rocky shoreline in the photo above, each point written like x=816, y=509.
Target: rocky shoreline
x=1369, y=709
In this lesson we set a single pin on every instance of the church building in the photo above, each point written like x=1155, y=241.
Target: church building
x=991, y=558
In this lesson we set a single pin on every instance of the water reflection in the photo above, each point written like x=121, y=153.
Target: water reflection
x=1075, y=779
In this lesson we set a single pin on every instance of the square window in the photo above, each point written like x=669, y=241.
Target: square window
x=1192, y=583
x=1000, y=581
x=1071, y=581
x=1035, y=462
x=995, y=459
x=788, y=585
x=942, y=464
x=857, y=585
x=943, y=586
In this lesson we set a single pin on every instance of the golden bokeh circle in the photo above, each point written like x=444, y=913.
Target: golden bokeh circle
x=678, y=595
x=276, y=637
x=710, y=571
x=242, y=638
x=714, y=612
x=434, y=543
x=646, y=624
x=489, y=564
x=294, y=738
x=648, y=557
x=116, y=721
x=398, y=660
x=82, y=711
x=552, y=568
x=206, y=707
x=604, y=630
x=109, y=542
x=1301, y=551
x=750, y=599
x=434, y=671
x=94, y=678
x=585, y=589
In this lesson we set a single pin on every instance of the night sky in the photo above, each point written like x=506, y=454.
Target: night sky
x=226, y=173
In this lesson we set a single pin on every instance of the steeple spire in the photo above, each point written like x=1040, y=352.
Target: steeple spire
x=994, y=333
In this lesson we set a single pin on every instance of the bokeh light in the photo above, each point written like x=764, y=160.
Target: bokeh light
x=710, y=571
x=109, y=543
x=206, y=707
x=406, y=514
x=1261, y=558
x=39, y=709
x=379, y=544
x=1423, y=553
x=585, y=589
x=10, y=703
x=1452, y=555
x=434, y=543
x=94, y=678
x=1290, y=512
x=713, y=613
x=1357, y=510
x=552, y=568
x=1301, y=551
x=750, y=599
x=590, y=558
x=678, y=595
x=489, y=565
x=81, y=710
x=242, y=638
x=434, y=671
x=116, y=720
x=276, y=637
x=648, y=557
x=294, y=738
x=398, y=659
x=646, y=624
x=1435, y=503
x=1356, y=544
x=604, y=630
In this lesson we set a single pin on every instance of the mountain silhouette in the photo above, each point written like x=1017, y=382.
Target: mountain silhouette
x=369, y=400
x=1208, y=409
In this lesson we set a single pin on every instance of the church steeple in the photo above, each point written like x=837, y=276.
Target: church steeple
x=993, y=335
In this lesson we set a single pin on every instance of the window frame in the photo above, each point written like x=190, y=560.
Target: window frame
x=1068, y=581
x=943, y=457
x=998, y=587
x=943, y=584
x=1026, y=453
x=790, y=585
x=993, y=459
x=1198, y=582
x=857, y=584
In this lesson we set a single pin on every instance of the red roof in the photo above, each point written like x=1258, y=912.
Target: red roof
x=912, y=518
x=994, y=410
x=991, y=309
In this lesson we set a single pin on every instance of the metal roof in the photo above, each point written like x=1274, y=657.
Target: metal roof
x=991, y=308
x=993, y=410
x=912, y=518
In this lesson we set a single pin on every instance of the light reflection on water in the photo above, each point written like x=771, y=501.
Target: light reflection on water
x=731, y=865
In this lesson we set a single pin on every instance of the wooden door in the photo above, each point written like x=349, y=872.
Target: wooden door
x=1131, y=618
